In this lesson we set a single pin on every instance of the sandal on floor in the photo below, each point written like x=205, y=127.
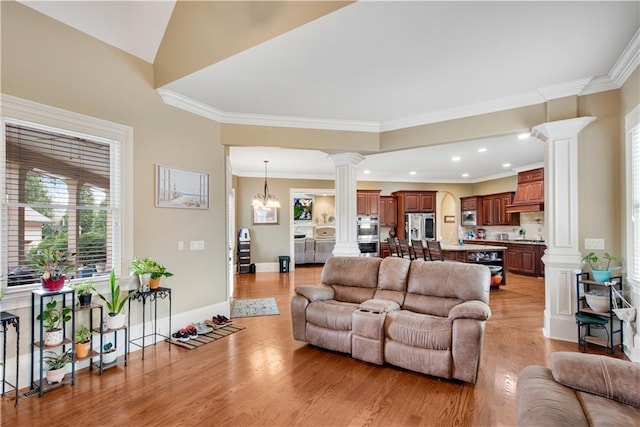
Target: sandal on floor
x=202, y=329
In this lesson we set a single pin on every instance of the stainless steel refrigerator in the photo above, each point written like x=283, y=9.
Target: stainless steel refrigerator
x=420, y=226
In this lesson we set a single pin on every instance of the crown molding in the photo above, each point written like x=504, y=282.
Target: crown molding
x=599, y=84
x=564, y=89
x=627, y=62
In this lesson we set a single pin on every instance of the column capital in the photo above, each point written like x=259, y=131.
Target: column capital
x=341, y=159
x=560, y=128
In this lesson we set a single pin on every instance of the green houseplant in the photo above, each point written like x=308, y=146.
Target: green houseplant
x=149, y=272
x=57, y=363
x=83, y=291
x=82, y=338
x=52, y=265
x=114, y=303
x=600, y=266
x=51, y=318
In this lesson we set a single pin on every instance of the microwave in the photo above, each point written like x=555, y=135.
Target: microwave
x=469, y=218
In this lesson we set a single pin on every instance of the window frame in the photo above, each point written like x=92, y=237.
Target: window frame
x=31, y=114
x=632, y=121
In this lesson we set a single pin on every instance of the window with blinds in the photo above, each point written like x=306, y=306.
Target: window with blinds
x=634, y=259
x=59, y=193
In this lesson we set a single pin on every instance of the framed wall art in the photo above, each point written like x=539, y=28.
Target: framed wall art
x=449, y=218
x=302, y=208
x=262, y=215
x=181, y=188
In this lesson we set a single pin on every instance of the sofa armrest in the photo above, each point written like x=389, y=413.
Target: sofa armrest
x=601, y=375
x=379, y=305
x=470, y=310
x=315, y=292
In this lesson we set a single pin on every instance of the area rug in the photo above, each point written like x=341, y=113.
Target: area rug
x=254, y=307
x=207, y=338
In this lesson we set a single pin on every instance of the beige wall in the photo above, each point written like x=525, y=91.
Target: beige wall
x=50, y=63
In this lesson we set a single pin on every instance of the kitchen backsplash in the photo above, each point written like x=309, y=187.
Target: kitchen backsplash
x=531, y=223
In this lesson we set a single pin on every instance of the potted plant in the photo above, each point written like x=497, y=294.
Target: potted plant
x=57, y=363
x=52, y=265
x=82, y=338
x=51, y=318
x=83, y=291
x=109, y=354
x=115, y=303
x=158, y=270
x=143, y=268
x=600, y=266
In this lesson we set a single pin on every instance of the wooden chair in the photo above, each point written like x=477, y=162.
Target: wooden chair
x=419, y=250
x=405, y=249
x=435, y=250
x=393, y=247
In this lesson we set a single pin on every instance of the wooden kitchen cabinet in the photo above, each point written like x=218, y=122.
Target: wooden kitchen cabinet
x=368, y=203
x=472, y=203
x=524, y=258
x=388, y=214
x=494, y=210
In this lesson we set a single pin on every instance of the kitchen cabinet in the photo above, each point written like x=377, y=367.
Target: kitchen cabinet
x=529, y=195
x=368, y=203
x=524, y=258
x=472, y=203
x=388, y=214
x=494, y=210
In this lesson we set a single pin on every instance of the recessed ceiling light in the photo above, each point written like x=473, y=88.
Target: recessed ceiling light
x=482, y=150
x=524, y=135
x=367, y=172
x=455, y=159
x=412, y=173
x=506, y=165
x=465, y=175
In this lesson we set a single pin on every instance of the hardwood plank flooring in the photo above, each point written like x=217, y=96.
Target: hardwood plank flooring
x=262, y=377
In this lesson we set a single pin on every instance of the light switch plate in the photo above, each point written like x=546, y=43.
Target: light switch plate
x=180, y=245
x=196, y=245
x=594, y=244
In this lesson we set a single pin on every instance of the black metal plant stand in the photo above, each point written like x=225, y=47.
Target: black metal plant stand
x=6, y=319
x=152, y=295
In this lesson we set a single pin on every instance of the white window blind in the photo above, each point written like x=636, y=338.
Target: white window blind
x=634, y=267
x=60, y=192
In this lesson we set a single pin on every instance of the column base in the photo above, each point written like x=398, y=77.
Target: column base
x=346, y=249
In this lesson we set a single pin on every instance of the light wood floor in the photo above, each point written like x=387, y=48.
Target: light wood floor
x=262, y=377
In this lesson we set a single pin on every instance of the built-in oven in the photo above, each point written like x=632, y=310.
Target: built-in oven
x=469, y=218
x=368, y=246
x=368, y=226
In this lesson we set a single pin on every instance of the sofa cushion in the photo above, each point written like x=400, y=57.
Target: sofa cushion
x=418, y=330
x=379, y=306
x=601, y=411
x=331, y=314
x=354, y=279
x=605, y=376
x=315, y=292
x=450, y=280
x=392, y=279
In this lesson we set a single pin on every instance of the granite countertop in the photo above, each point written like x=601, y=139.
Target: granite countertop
x=522, y=242
x=472, y=248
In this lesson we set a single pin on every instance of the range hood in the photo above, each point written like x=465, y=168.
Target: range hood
x=529, y=195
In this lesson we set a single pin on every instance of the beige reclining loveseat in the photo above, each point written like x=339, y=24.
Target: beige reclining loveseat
x=425, y=316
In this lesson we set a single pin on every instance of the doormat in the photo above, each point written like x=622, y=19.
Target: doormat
x=254, y=307
x=207, y=338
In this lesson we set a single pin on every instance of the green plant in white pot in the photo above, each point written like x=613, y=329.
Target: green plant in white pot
x=52, y=318
x=114, y=303
x=600, y=266
x=143, y=267
x=57, y=363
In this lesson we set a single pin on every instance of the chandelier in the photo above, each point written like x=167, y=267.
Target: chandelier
x=265, y=200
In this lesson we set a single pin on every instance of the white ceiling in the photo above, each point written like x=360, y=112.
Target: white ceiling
x=382, y=65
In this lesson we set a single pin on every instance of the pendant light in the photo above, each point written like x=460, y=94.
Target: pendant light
x=265, y=200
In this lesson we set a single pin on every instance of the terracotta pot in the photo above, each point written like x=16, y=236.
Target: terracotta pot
x=82, y=349
x=53, y=285
x=154, y=283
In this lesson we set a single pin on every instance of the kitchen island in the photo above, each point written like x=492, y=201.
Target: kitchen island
x=492, y=256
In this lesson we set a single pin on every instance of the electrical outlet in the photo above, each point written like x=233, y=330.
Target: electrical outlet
x=196, y=245
x=180, y=245
x=594, y=244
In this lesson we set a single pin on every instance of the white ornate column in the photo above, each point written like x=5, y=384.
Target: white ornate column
x=346, y=200
x=562, y=256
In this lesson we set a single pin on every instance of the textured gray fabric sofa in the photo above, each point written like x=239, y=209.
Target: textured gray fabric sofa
x=312, y=251
x=425, y=316
x=579, y=390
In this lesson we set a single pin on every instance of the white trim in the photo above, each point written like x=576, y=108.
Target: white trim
x=627, y=62
x=22, y=111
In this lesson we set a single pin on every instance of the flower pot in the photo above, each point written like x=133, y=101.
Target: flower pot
x=82, y=349
x=55, y=375
x=109, y=356
x=601, y=275
x=115, y=321
x=53, y=337
x=144, y=282
x=154, y=283
x=53, y=285
x=84, y=300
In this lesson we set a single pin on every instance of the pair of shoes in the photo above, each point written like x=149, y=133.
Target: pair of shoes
x=192, y=331
x=221, y=320
x=202, y=329
x=182, y=335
